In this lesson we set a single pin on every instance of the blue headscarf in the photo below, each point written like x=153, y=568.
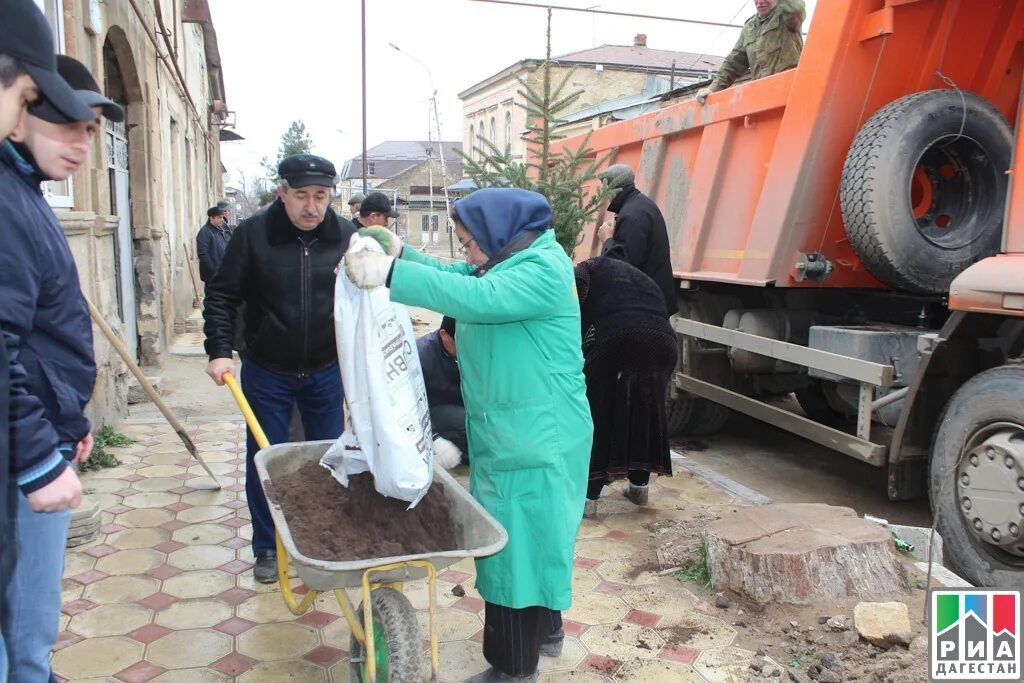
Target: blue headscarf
x=496, y=216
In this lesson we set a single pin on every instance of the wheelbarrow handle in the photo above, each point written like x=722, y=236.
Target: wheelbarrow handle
x=243, y=405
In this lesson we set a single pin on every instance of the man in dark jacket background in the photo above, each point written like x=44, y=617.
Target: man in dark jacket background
x=280, y=264
x=48, y=337
x=444, y=393
x=638, y=236
x=211, y=242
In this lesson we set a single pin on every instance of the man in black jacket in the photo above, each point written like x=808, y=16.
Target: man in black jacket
x=638, y=236
x=444, y=393
x=211, y=242
x=280, y=264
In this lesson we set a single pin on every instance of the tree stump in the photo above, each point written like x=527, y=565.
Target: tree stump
x=803, y=553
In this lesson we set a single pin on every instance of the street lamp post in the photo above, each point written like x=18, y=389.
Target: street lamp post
x=440, y=149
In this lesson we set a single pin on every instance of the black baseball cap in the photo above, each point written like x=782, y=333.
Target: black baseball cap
x=377, y=202
x=25, y=35
x=85, y=87
x=301, y=170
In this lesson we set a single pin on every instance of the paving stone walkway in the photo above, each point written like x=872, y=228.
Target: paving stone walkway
x=166, y=591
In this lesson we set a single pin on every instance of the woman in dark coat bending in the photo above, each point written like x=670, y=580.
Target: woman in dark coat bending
x=629, y=351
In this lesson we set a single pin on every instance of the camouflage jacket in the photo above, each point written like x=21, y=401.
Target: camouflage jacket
x=766, y=45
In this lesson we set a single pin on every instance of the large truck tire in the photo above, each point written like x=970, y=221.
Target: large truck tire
x=924, y=187
x=690, y=415
x=977, y=479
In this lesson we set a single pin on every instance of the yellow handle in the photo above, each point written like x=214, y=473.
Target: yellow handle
x=250, y=418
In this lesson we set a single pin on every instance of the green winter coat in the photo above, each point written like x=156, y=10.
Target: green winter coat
x=766, y=45
x=527, y=416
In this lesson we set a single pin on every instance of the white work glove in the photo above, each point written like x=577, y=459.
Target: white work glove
x=702, y=95
x=388, y=241
x=446, y=454
x=368, y=269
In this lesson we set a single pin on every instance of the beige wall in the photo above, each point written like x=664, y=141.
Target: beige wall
x=412, y=218
x=503, y=99
x=174, y=175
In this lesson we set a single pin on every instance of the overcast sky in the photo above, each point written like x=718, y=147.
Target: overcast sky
x=300, y=59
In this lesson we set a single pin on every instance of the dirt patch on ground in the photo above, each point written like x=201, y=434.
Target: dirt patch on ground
x=678, y=542
x=331, y=522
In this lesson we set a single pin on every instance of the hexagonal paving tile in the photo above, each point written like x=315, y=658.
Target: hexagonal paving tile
x=97, y=657
x=604, y=549
x=203, y=534
x=204, y=583
x=696, y=630
x=148, y=517
x=189, y=649
x=71, y=591
x=595, y=608
x=156, y=484
x=130, y=562
x=194, y=614
x=277, y=641
x=133, y=539
x=264, y=609
x=657, y=671
x=572, y=677
x=724, y=665
x=105, y=500
x=661, y=599
x=218, y=497
x=419, y=595
x=76, y=563
x=110, y=620
x=200, y=557
x=460, y=660
x=337, y=634
x=452, y=624
x=112, y=473
x=151, y=499
x=623, y=641
x=121, y=589
x=297, y=670
x=591, y=529
x=90, y=485
x=584, y=580
x=573, y=653
x=637, y=570
x=192, y=676
x=204, y=513
x=161, y=471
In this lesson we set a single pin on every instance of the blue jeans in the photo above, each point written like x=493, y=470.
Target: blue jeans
x=31, y=602
x=271, y=395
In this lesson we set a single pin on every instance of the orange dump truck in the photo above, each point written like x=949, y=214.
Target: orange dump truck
x=852, y=231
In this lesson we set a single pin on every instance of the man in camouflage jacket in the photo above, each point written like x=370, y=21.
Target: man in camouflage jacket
x=770, y=43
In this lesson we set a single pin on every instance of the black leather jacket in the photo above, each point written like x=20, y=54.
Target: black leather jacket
x=287, y=288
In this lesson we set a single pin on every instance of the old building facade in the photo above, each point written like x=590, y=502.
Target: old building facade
x=132, y=212
x=495, y=109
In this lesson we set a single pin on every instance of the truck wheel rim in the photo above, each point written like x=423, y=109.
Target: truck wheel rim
x=990, y=487
x=952, y=180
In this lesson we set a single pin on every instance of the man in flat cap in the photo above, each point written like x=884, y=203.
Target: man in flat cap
x=280, y=264
x=353, y=207
x=211, y=242
x=376, y=209
x=47, y=334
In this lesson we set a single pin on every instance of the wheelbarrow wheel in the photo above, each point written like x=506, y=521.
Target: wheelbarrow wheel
x=396, y=641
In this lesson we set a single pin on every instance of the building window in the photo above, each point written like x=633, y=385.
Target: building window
x=59, y=193
x=371, y=168
x=494, y=133
x=508, y=129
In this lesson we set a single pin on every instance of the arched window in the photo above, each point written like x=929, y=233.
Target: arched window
x=494, y=132
x=508, y=129
x=472, y=142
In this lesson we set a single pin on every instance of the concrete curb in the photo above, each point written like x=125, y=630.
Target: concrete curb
x=734, y=487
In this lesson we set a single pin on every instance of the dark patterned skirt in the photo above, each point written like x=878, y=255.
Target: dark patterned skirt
x=628, y=371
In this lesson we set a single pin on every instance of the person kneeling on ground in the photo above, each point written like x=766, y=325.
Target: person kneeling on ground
x=629, y=351
x=444, y=393
x=528, y=421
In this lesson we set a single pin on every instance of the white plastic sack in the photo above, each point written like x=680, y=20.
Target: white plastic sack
x=387, y=422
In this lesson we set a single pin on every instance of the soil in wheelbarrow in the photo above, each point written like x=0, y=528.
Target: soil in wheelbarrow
x=330, y=522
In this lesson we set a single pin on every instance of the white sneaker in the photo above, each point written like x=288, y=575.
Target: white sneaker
x=446, y=454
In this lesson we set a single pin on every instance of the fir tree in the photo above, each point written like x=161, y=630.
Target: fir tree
x=563, y=177
x=296, y=140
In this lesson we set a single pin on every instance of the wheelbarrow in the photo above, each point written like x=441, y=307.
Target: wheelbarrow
x=385, y=644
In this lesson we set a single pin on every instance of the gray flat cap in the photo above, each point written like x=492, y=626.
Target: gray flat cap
x=617, y=175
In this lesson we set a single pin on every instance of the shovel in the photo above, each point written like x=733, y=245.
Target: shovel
x=150, y=391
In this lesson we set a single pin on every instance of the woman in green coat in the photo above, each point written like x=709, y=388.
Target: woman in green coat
x=527, y=416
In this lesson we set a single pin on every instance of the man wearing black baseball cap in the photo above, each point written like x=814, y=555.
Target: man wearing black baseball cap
x=48, y=335
x=280, y=264
x=376, y=209
x=26, y=40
